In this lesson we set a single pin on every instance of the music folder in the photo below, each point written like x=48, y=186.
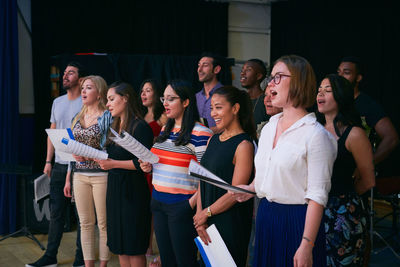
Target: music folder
x=216, y=253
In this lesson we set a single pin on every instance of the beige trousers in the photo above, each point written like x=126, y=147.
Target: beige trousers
x=90, y=199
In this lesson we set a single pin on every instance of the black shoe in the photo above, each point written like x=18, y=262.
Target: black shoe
x=78, y=263
x=44, y=261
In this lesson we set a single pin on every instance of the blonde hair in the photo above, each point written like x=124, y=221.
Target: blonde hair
x=101, y=87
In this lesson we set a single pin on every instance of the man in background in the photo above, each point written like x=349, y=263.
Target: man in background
x=63, y=110
x=208, y=68
x=372, y=114
x=252, y=74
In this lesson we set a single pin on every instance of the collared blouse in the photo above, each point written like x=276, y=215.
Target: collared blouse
x=299, y=168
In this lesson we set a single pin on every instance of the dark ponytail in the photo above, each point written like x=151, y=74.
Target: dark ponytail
x=343, y=94
x=246, y=120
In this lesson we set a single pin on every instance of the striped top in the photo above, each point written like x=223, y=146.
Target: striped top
x=170, y=174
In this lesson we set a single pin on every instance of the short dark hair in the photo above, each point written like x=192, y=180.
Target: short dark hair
x=262, y=66
x=81, y=69
x=217, y=59
x=356, y=61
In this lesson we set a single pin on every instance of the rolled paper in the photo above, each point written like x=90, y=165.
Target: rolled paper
x=83, y=150
x=132, y=145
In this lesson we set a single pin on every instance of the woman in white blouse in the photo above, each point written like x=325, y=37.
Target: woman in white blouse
x=293, y=170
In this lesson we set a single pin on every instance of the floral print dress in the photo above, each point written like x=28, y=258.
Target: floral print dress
x=345, y=218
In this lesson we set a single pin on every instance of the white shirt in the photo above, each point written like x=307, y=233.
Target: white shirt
x=299, y=168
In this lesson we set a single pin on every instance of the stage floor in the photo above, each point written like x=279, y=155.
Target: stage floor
x=18, y=251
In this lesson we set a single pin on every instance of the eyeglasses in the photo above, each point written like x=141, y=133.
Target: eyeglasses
x=168, y=99
x=277, y=78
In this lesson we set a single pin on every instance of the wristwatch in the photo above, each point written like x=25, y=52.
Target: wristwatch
x=209, y=214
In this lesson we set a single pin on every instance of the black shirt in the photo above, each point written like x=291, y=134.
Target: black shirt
x=259, y=112
x=370, y=111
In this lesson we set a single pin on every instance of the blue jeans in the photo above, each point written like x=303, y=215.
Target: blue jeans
x=58, y=207
x=175, y=233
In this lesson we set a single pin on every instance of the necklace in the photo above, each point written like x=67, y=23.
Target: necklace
x=228, y=136
x=89, y=119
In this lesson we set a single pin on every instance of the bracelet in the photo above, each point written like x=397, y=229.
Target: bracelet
x=309, y=241
x=48, y=161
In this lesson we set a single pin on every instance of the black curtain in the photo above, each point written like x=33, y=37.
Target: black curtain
x=155, y=27
x=325, y=31
x=9, y=114
x=135, y=68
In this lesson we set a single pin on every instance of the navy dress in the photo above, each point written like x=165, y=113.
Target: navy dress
x=345, y=219
x=128, y=199
x=234, y=225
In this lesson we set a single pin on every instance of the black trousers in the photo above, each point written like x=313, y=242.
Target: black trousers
x=175, y=233
x=58, y=206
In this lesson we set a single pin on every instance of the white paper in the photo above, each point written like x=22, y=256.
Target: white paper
x=195, y=167
x=83, y=150
x=209, y=177
x=73, y=147
x=216, y=252
x=41, y=187
x=56, y=135
x=132, y=145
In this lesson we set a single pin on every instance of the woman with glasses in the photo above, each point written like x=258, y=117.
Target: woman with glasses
x=128, y=197
x=293, y=170
x=271, y=111
x=345, y=219
x=174, y=194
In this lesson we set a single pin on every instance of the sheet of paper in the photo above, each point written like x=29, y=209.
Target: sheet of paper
x=197, y=171
x=195, y=167
x=215, y=253
x=41, y=187
x=65, y=151
x=132, y=145
x=83, y=150
x=56, y=135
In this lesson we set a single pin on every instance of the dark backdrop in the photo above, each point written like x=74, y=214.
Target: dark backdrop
x=323, y=32
x=9, y=115
x=127, y=27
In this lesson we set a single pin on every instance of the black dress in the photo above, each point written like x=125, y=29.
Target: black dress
x=345, y=219
x=234, y=225
x=128, y=199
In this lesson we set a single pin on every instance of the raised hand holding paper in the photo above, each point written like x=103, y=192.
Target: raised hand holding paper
x=132, y=145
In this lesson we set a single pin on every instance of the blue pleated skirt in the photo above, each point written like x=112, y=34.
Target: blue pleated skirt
x=279, y=232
